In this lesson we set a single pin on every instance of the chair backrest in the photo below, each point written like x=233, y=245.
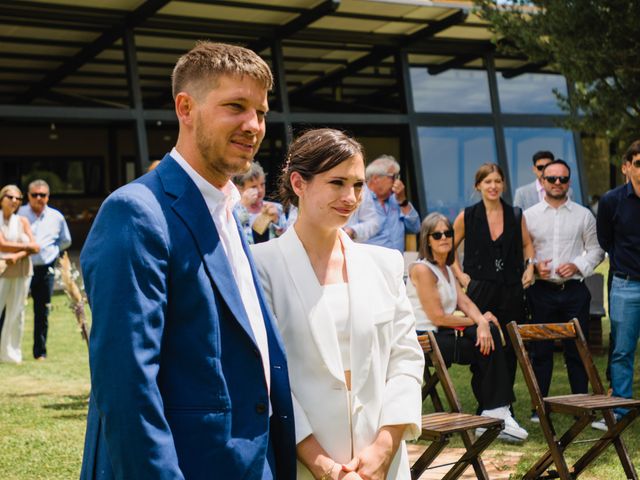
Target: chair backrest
x=440, y=375
x=520, y=334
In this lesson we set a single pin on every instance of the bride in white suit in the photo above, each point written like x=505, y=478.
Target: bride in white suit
x=355, y=364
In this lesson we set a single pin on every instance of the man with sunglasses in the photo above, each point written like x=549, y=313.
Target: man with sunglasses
x=619, y=234
x=396, y=215
x=52, y=234
x=566, y=245
x=530, y=194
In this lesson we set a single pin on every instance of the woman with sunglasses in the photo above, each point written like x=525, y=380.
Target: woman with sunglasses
x=498, y=255
x=16, y=244
x=472, y=339
x=355, y=364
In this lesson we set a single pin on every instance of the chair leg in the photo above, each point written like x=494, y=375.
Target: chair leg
x=472, y=454
x=612, y=436
x=555, y=452
x=427, y=457
x=543, y=463
x=478, y=465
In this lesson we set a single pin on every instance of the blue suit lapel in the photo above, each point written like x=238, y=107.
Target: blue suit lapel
x=190, y=206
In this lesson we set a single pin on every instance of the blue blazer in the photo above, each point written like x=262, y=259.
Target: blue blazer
x=178, y=387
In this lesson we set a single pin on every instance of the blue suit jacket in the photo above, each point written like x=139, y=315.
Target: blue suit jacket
x=178, y=387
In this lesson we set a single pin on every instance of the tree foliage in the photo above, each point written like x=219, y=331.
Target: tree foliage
x=593, y=43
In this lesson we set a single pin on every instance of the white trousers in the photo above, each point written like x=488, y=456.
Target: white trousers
x=13, y=293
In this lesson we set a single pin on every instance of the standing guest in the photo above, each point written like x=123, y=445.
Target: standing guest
x=271, y=221
x=619, y=234
x=355, y=362
x=473, y=339
x=188, y=376
x=567, y=251
x=396, y=214
x=52, y=234
x=16, y=244
x=497, y=246
x=532, y=193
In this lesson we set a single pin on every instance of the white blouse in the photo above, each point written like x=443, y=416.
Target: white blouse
x=446, y=290
x=337, y=297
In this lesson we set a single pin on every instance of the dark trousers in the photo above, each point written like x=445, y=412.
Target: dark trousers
x=506, y=302
x=41, y=291
x=489, y=374
x=553, y=304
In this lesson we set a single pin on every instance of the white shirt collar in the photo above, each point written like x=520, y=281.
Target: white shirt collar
x=227, y=196
x=568, y=204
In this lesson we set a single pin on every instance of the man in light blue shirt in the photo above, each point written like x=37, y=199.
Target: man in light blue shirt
x=396, y=214
x=52, y=234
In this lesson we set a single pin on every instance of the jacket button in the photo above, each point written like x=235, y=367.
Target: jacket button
x=261, y=408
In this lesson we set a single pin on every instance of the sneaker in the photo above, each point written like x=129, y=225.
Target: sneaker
x=512, y=431
x=602, y=425
x=534, y=418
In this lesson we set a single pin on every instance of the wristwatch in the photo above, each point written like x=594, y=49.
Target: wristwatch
x=404, y=203
x=530, y=261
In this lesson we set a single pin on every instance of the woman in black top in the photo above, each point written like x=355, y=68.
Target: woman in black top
x=498, y=254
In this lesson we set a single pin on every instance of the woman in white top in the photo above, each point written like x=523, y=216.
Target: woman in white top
x=473, y=339
x=355, y=364
x=16, y=244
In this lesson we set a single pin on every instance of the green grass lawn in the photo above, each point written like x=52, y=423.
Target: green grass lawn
x=43, y=407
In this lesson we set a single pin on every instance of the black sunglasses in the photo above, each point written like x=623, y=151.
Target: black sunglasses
x=439, y=235
x=11, y=197
x=554, y=179
x=38, y=195
x=636, y=163
x=541, y=167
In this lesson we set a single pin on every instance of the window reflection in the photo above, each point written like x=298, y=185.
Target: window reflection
x=450, y=158
x=453, y=91
x=522, y=143
x=531, y=93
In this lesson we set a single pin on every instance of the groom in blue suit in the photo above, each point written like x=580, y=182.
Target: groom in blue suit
x=188, y=373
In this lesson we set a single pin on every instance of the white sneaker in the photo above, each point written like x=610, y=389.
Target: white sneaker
x=602, y=425
x=512, y=431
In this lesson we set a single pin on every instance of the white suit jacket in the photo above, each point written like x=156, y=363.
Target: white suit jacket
x=386, y=360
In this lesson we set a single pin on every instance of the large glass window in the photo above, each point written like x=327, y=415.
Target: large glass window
x=453, y=91
x=531, y=93
x=450, y=158
x=522, y=143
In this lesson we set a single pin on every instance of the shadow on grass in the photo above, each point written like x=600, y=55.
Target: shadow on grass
x=73, y=402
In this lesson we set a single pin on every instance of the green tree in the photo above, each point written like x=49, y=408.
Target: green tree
x=593, y=43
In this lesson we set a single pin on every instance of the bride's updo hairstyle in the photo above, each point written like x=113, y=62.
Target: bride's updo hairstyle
x=313, y=152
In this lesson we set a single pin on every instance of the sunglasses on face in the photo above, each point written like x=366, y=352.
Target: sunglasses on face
x=393, y=176
x=554, y=179
x=439, y=235
x=541, y=167
x=12, y=197
x=636, y=163
x=38, y=195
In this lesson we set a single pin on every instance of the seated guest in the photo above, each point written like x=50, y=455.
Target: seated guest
x=473, y=339
x=260, y=220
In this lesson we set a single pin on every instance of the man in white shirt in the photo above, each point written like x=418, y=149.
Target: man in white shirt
x=567, y=251
x=188, y=373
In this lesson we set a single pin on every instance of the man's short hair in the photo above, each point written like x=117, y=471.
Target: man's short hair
x=381, y=165
x=207, y=61
x=542, y=154
x=38, y=183
x=255, y=172
x=557, y=161
x=632, y=151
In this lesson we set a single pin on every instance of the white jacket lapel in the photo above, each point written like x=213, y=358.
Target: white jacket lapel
x=316, y=311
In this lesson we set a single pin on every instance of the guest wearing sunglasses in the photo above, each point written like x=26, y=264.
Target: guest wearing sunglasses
x=396, y=215
x=472, y=339
x=567, y=251
x=619, y=234
x=52, y=234
x=498, y=255
x=16, y=244
x=532, y=193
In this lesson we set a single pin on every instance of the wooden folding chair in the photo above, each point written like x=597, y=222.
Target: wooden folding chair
x=583, y=407
x=440, y=426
